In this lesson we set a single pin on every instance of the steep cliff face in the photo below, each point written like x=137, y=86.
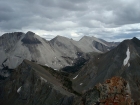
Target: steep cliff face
x=8, y=42
x=114, y=91
x=30, y=84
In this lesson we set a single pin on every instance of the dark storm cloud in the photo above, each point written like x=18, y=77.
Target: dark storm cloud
x=5, y=10
x=74, y=5
x=72, y=18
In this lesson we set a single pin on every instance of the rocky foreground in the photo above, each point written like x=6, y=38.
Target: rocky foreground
x=114, y=91
x=32, y=84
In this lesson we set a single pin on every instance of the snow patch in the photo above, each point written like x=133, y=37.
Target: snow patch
x=128, y=64
x=19, y=89
x=138, y=55
x=55, y=69
x=75, y=77
x=127, y=57
x=81, y=83
x=128, y=88
x=43, y=79
x=46, y=65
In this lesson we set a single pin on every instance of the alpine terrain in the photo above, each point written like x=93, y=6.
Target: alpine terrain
x=56, y=53
x=62, y=71
x=122, y=61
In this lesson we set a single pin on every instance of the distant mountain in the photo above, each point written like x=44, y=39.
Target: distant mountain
x=95, y=43
x=57, y=53
x=110, y=44
x=106, y=78
x=123, y=61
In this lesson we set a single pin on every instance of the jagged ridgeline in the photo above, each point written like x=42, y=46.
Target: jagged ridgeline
x=57, y=53
x=67, y=72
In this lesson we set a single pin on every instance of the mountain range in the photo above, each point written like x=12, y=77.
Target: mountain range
x=35, y=71
x=56, y=53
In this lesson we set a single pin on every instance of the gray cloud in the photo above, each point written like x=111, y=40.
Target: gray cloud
x=107, y=19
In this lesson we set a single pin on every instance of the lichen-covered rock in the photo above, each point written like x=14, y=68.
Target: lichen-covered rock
x=114, y=91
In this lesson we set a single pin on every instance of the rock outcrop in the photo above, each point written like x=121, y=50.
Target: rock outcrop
x=114, y=91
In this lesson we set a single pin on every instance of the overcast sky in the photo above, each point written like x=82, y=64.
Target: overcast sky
x=112, y=20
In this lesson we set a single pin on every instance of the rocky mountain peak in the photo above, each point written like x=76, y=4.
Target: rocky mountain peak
x=58, y=37
x=135, y=38
x=13, y=33
x=8, y=40
x=85, y=38
x=133, y=43
x=136, y=41
x=8, y=36
x=92, y=39
x=30, y=33
x=30, y=38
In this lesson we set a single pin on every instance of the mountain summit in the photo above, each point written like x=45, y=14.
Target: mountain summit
x=30, y=39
